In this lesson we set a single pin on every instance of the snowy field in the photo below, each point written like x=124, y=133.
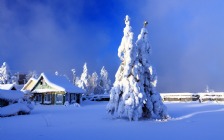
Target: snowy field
x=90, y=121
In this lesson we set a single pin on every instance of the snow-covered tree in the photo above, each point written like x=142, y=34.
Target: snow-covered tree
x=5, y=74
x=134, y=94
x=15, y=78
x=31, y=74
x=74, y=76
x=93, y=82
x=104, y=81
x=83, y=81
x=76, y=81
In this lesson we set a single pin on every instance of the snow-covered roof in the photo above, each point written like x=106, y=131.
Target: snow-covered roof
x=11, y=95
x=7, y=86
x=25, y=87
x=59, y=83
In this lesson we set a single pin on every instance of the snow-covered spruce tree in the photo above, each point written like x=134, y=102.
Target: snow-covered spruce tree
x=93, y=82
x=73, y=76
x=5, y=74
x=83, y=81
x=32, y=74
x=134, y=94
x=104, y=81
x=15, y=78
x=75, y=79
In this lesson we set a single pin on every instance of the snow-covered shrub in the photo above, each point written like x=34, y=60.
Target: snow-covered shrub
x=76, y=105
x=5, y=74
x=66, y=103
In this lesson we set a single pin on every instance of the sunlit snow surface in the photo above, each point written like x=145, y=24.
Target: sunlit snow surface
x=90, y=121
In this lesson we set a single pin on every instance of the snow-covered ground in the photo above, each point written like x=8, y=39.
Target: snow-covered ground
x=90, y=121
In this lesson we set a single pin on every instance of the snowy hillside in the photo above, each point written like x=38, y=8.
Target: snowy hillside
x=90, y=121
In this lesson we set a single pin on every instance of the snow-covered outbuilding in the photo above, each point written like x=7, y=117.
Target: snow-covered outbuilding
x=12, y=103
x=9, y=96
x=53, y=89
x=8, y=87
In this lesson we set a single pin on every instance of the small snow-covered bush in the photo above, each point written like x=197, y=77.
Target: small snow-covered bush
x=76, y=105
x=66, y=103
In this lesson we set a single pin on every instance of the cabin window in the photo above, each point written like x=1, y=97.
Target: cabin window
x=41, y=82
x=38, y=98
x=47, y=98
x=59, y=98
x=73, y=98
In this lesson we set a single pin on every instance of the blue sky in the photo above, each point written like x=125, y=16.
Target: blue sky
x=186, y=36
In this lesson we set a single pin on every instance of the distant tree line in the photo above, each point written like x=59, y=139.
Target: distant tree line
x=93, y=84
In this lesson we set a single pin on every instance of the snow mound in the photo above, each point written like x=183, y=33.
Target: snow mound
x=15, y=109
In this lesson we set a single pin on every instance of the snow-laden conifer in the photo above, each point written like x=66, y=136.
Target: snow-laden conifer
x=93, y=82
x=5, y=74
x=104, y=81
x=83, y=81
x=32, y=74
x=73, y=76
x=134, y=94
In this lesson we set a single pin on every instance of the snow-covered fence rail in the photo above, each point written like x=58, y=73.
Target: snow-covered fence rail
x=211, y=96
x=182, y=97
x=185, y=97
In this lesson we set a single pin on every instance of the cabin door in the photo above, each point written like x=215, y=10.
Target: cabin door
x=78, y=97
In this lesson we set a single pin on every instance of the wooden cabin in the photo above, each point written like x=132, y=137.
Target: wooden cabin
x=52, y=89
